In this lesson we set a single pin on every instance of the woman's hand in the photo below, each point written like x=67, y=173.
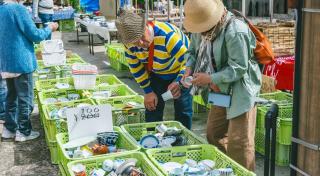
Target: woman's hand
x=201, y=79
x=187, y=73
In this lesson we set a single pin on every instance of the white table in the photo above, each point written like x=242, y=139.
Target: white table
x=94, y=28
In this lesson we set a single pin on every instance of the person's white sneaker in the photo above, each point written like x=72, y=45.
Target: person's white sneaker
x=21, y=137
x=6, y=134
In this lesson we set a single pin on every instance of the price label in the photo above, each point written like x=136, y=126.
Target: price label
x=89, y=121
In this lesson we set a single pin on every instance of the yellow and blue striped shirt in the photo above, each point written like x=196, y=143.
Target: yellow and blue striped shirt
x=170, y=45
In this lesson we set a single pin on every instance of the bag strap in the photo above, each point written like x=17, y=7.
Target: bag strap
x=239, y=14
x=151, y=52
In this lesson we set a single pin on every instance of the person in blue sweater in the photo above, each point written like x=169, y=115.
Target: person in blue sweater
x=17, y=62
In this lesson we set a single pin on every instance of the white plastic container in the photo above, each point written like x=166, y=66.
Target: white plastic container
x=54, y=59
x=84, y=76
x=53, y=53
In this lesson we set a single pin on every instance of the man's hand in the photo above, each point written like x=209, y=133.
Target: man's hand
x=53, y=26
x=187, y=73
x=175, y=90
x=201, y=79
x=150, y=101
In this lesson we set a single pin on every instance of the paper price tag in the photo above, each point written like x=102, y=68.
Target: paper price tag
x=89, y=121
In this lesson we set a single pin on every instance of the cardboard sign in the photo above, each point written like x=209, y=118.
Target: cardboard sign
x=89, y=121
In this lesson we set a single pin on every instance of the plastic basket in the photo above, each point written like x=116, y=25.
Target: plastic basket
x=284, y=133
x=52, y=146
x=282, y=151
x=143, y=162
x=109, y=79
x=136, y=131
x=100, y=80
x=62, y=171
x=116, y=91
x=123, y=142
x=117, y=65
x=54, y=59
x=285, y=112
x=50, y=84
x=122, y=115
x=84, y=76
x=197, y=153
x=55, y=126
x=58, y=94
x=279, y=97
x=84, y=82
x=199, y=105
x=44, y=72
x=74, y=58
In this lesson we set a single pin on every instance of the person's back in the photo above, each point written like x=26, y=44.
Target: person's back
x=17, y=34
x=17, y=62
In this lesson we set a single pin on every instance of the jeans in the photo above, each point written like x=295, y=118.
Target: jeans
x=45, y=18
x=182, y=105
x=19, y=104
x=3, y=94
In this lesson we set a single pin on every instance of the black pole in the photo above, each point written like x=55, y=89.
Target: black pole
x=274, y=115
x=297, y=89
x=267, y=144
x=270, y=146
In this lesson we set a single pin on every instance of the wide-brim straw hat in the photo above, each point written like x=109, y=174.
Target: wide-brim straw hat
x=130, y=27
x=202, y=15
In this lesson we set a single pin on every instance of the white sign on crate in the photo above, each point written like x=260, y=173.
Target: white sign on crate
x=89, y=121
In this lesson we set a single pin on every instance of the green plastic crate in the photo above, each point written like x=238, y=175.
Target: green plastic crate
x=50, y=84
x=67, y=25
x=117, y=65
x=52, y=145
x=122, y=143
x=108, y=78
x=55, y=126
x=136, y=131
x=58, y=94
x=116, y=91
x=285, y=112
x=44, y=73
x=282, y=151
x=62, y=171
x=284, y=131
x=279, y=97
x=122, y=115
x=197, y=153
x=75, y=59
x=143, y=162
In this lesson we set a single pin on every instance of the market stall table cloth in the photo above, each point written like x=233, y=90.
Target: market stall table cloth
x=60, y=15
x=283, y=72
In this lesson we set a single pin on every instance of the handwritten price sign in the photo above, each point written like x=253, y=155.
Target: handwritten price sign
x=89, y=121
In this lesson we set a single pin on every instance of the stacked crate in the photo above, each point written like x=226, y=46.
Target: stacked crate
x=281, y=36
x=284, y=126
x=116, y=55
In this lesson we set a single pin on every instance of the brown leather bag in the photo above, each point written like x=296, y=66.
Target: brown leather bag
x=263, y=52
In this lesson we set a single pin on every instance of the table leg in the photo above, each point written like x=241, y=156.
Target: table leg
x=92, y=44
x=89, y=35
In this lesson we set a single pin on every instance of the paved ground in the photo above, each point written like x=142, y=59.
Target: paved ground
x=33, y=158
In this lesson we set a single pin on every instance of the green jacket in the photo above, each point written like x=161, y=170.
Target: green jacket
x=236, y=65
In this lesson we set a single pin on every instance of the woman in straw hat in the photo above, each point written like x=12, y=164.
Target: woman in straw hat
x=225, y=65
x=155, y=53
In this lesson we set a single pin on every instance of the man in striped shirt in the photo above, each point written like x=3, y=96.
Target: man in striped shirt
x=169, y=46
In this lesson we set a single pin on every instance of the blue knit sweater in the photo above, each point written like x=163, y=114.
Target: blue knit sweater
x=17, y=34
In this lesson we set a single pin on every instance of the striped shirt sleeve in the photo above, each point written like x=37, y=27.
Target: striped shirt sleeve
x=177, y=48
x=138, y=71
